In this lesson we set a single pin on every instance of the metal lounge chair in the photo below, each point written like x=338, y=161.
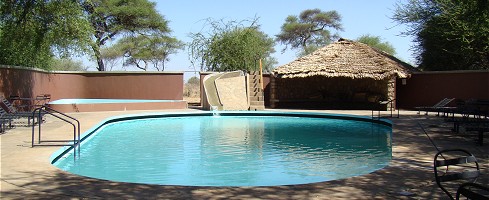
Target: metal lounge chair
x=5, y=119
x=474, y=118
x=473, y=191
x=15, y=114
x=454, y=167
x=3, y=123
x=435, y=108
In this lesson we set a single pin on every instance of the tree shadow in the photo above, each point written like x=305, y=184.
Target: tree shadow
x=17, y=82
x=63, y=185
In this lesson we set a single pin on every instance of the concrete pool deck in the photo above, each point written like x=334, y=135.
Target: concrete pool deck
x=26, y=173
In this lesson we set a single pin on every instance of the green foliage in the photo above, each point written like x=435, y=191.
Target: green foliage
x=268, y=63
x=113, y=17
x=376, y=42
x=32, y=32
x=67, y=65
x=194, y=81
x=142, y=50
x=192, y=88
x=450, y=35
x=111, y=56
x=308, y=31
x=231, y=47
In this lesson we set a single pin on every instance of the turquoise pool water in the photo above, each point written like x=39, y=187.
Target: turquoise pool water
x=232, y=150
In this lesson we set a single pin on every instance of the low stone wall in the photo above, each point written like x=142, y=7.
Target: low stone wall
x=428, y=88
x=27, y=82
x=94, y=107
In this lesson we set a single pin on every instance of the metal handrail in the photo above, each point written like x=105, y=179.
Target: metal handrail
x=385, y=103
x=52, y=112
x=392, y=107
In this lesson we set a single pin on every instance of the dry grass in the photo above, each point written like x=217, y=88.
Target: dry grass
x=191, y=92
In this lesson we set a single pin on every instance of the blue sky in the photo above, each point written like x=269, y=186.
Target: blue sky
x=359, y=17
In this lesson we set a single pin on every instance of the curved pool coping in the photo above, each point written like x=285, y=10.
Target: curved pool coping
x=63, y=151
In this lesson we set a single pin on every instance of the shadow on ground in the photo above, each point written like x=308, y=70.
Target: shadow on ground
x=378, y=185
x=409, y=176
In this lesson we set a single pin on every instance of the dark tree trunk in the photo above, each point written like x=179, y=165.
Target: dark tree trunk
x=100, y=62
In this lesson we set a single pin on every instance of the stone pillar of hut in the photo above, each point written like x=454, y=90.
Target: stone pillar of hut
x=391, y=92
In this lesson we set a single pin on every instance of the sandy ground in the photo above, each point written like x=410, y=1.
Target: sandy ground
x=26, y=172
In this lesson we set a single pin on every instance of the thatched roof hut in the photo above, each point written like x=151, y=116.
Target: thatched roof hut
x=345, y=58
x=344, y=74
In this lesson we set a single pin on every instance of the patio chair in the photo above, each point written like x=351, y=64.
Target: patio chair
x=14, y=113
x=473, y=118
x=3, y=124
x=438, y=107
x=473, y=191
x=5, y=119
x=454, y=167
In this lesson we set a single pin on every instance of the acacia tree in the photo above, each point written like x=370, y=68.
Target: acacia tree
x=231, y=46
x=309, y=30
x=449, y=35
x=376, y=42
x=111, y=56
x=110, y=18
x=33, y=32
x=142, y=51
x=161, y=48
x=67, y=64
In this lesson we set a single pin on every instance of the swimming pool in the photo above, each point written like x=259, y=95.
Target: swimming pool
x=96, y=105
x=234, y=149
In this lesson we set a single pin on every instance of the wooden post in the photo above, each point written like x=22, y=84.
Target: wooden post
x=261, y=75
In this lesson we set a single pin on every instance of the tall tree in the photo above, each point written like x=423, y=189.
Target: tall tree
x=33, y=32
x=142, y=51
x=161, y=47
x=310, y=30
x=376, y=42
x=110, y=18
x=231, y=46
x=449, y=35
x=112, y=56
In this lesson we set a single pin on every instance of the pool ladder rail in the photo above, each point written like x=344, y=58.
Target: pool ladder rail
x=45, y=110
x=390, y=108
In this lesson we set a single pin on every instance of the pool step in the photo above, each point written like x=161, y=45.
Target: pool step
x=257, y=98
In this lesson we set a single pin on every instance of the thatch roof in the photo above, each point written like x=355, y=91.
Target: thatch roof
x=346, y=58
